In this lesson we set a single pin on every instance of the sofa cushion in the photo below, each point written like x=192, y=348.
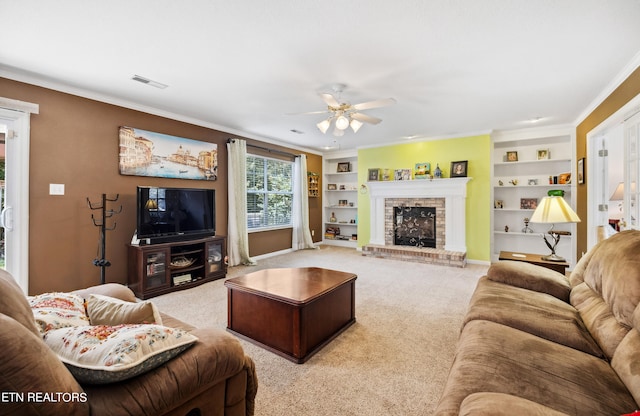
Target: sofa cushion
x=216, y=357
x=104, y=354
x=491, y=357
x=13, y=302
x=614, y=273
x=625, y=362
x=58, y=310
x=597, y=316
x=533, y=312
x=27, y=365
x=114, y=290
x=500, y=404
x=105, y=310
x=532, y=277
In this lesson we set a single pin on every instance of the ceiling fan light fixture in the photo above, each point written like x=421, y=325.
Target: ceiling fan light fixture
x=338, y=132
x=355, y=125
x=342, y=122
x=323, y=126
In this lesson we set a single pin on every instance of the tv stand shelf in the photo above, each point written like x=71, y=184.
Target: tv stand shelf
x=157, y=269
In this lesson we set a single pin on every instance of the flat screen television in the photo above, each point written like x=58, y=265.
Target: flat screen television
x=175, y=214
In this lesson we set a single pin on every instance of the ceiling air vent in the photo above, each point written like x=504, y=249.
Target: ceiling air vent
x=149, y=82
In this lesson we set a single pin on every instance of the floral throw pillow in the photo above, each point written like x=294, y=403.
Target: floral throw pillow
x=104, y=354
x=58, y=310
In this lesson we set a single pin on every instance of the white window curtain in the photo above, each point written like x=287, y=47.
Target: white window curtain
x=238, y=236
x=301, y=238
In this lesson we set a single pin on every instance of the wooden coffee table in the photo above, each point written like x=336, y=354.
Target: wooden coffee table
x=291, y=312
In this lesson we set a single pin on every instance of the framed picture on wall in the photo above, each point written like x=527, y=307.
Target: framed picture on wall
x=146, y=153
x=581, y=171
x=374, y=174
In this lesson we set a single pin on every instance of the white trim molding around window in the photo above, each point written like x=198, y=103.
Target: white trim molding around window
x=269, y=193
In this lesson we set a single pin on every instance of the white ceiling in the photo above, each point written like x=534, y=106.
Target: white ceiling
x=455, y=67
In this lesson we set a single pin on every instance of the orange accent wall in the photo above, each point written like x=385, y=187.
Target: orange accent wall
x=616, y=100
x=74, y=141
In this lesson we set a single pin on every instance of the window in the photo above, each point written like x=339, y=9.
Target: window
x=269, y=192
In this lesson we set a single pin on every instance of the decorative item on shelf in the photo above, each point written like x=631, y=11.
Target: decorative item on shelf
x=374, y=174
x=312, y=184
x=553, y=209
x=528, y=203
x=332, y=233
x=343, y=188
x=343, y=167
x=438, y=171
x=386, y=174
x=506, y=228
x=500, y=182
x=532, y=182
x=403, y=175
x=511, y=156
x=513, y=182
x=333, y=217
x=422, y=170
x=343, y=202
x=332, y=187
x=459, y=169
x=181, y=262
x=526, y=228
x=543, y=154
x=498, y=203
x=564, y=178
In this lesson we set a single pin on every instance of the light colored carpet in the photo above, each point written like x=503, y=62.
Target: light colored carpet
x=393, y=361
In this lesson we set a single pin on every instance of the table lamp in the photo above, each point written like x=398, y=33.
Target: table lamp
x=553, y=209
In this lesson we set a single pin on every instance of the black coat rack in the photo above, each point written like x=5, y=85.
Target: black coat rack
x=101, y=260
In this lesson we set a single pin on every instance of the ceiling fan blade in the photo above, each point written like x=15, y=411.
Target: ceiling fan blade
x=330, y=100
x=365, y=118
x=374, y=104
x=308, y=112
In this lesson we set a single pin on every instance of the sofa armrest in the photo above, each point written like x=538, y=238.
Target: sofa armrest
x=500, y=404
x=532, y=277
x=216, y=357
x=115, y=290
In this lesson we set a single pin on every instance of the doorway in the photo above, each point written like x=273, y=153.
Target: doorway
x=15, y=123
x=612, y=158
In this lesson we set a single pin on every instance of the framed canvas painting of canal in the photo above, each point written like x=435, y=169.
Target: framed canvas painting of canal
x=145, y=153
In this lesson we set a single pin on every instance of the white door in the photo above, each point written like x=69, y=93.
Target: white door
x=14, y=217
x=631, y=209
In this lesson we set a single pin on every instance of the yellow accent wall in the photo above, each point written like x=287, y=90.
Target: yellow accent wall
x=475, y=149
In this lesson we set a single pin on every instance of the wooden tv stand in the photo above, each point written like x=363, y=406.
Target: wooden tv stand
x=157, y=269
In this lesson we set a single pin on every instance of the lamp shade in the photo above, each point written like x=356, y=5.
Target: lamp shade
x=355, y=125
x=554, y=209
x=342, y=122
x=323, y=126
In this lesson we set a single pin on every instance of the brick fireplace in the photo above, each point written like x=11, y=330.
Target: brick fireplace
x=389, y=201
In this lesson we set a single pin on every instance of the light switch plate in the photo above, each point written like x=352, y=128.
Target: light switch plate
x=56, y=189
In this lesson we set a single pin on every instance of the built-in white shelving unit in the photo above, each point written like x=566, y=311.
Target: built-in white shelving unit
x=544, y=162
x=340, y=199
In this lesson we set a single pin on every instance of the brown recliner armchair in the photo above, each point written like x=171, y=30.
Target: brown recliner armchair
x=212, y=377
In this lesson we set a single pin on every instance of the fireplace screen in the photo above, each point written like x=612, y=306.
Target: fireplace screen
x=414, y=226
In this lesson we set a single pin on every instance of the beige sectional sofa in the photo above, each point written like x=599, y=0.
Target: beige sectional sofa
x=212, y=377
x=537, y=343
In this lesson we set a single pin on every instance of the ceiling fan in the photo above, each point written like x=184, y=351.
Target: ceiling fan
x=345, y=115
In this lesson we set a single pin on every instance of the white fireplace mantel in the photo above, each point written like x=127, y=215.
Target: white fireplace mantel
x=453, y=190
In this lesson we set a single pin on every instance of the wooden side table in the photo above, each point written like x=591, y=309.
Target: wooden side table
x=558, y=266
